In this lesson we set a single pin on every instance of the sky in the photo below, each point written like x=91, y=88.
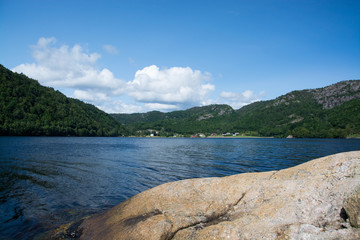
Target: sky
x=127, y=56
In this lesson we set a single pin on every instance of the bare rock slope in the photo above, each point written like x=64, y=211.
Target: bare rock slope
x=315, y=200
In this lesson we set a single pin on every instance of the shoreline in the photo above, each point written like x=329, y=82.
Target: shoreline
x=214, y=137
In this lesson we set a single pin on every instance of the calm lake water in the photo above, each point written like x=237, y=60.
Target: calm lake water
x=48, y=181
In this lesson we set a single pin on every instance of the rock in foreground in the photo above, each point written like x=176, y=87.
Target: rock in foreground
x=315, y=200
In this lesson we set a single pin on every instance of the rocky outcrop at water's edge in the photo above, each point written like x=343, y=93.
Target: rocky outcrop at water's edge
x=319, y=199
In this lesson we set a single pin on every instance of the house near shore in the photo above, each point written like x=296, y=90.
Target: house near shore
x=153, y=132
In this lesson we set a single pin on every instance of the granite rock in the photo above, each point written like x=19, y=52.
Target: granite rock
x=315, y=200
x=352, y=208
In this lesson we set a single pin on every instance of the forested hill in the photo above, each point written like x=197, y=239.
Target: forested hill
x=204, y=119
x=332, y=111
x=195, y=113
x=27, y=108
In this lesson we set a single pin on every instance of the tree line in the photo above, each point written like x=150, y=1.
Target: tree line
x=27, y=108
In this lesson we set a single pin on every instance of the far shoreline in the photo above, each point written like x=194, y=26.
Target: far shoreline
x=211, y=137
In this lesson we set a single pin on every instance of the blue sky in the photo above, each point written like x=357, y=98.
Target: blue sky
x=137, y=56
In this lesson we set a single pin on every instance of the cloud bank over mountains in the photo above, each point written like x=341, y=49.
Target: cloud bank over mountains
x=176, y=85
x=238, y=100
x=152, y=88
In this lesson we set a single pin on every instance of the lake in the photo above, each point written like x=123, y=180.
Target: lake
x=48, y=181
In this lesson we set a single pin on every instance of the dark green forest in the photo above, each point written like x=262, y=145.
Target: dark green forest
x=29, y=109
x=329, y=112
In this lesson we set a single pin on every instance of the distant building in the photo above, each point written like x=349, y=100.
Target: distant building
x=153, y=132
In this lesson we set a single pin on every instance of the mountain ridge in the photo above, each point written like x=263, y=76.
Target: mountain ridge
x=325, y=96
x=300, y=113
x=28, y=108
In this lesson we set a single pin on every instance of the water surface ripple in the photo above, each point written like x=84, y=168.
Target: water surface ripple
x=48, y=181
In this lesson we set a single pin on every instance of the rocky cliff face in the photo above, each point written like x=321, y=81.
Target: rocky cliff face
x=336, y=94
x=315, y=200
x=329, y=97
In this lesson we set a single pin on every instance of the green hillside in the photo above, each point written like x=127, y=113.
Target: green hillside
x=27, y=108
x=333, y=111
x=329, y=112
x=212, y=118
x=148, y=117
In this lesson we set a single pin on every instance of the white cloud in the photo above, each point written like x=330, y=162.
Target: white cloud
x=91, y=95
x=75, y=71
x=110, y=49
x=228, y=95
x=67, y=67
x=161, y=106
x=174, y=86
x=118, y=106
x=238, y=100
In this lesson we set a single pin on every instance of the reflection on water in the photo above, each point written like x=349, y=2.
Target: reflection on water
x=47, y=181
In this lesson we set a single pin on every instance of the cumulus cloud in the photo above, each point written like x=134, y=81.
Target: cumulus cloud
x=91, y=95
x=174, y=86
x=61, y=66
x=161, y=106
x=119, y=106
x=238, y=100
x=64, y=66
x=110, y=49
x=75, y=70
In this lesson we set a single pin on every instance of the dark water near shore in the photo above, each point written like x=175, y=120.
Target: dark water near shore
x=48, y=181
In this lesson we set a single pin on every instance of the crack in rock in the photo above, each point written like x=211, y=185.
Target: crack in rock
x=136, y=219
x=272, y=175
x=213, y=219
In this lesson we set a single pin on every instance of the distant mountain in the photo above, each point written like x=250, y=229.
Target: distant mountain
x=27, y=108
x=148, y=117
x=337, y=94
x=332, y=111
x=198, y=119
x=199, y=113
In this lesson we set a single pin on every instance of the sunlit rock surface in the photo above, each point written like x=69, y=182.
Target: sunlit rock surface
x=315, y=200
